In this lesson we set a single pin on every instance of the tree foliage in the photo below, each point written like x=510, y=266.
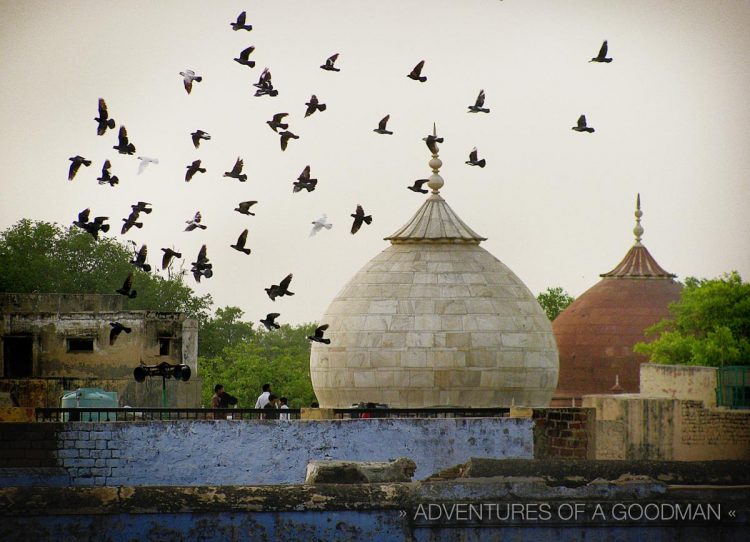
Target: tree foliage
x=41, y=257
x=243, y=359
x=709, y=325
x=554, y=300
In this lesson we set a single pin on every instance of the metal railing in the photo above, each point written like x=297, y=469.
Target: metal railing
x=101, y=414
x=437, y=412
x=98, y=414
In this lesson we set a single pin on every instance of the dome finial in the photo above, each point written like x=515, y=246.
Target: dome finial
x=638, y=230
x=435, y=181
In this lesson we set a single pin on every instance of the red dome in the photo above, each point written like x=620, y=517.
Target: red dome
x=596, y=333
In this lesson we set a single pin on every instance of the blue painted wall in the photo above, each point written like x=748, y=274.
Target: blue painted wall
x=383, y=526
x=207, y=452
x=277, y=452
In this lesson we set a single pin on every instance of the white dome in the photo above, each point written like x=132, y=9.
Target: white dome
x=435, y=320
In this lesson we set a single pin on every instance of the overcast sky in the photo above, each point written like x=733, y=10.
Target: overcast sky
x=671, y=113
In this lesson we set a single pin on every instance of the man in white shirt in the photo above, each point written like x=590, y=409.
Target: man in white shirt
x=263, y=397
x=284, y=405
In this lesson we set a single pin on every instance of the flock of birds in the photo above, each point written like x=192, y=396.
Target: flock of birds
x=202, y=267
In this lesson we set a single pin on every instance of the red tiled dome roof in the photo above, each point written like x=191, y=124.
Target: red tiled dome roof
x=596, y=333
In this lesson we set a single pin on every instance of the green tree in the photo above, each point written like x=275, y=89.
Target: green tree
x=47, y=258
x=225, y=329
x=280, y=357
x=554, y=301
x=709, y=325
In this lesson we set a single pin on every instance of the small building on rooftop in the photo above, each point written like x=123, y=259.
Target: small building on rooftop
x=56, y=342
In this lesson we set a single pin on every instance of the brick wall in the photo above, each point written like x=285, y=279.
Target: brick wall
x=26, y=445
x=567, y=433
x=706, y=433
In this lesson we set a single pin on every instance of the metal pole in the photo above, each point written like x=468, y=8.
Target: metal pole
x=164, y=391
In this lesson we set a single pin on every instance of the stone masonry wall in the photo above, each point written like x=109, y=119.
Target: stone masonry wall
x=564, y=433
x=705, y=433
x=207, y=452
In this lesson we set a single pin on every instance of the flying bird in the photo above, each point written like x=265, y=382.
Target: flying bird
x=239, y=24
x=318, y=335
x=96, y=226
x=236, y=172
x=472, y=161
x=202, y=267
x=131, y=221
x=581, y=125
x=188, y=76
x=192, y=169
x=275, y=123
x=124, y=146
x=304, y=182
x=417, y=186
x=197, y=136
x=144, y=162
x=244, y=207
x=106, y=177
x=195, y=222
x=83, y=218
x=244, y=57
x=264, y=84
x=416, y=73
x=168, y=255
x=431, y=141
x=602, y=56
x=477, y=107
x=281, y=289
x=77, y=161
x=140, y=259
x=270, y=321
x=360, y=217
x=142, y=206
x=240, y=245
x=328, y=66
x=103, y=120
x=127, y=287
x=117, y=328
x=314, y=105
x=319, y=224
x=381, y=126
x=285, y=137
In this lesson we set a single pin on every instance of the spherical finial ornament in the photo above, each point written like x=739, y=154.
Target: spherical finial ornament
x=435, y=182
x=638, y=230
x=435, y=164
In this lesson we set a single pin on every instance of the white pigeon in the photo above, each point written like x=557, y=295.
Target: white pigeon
x=188, y=76
x=319, y=224
x=145, y=161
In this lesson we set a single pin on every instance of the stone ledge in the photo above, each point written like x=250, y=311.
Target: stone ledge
x=97, y=501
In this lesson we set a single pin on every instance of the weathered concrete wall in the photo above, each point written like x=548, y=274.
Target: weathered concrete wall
x=686, y=382
x=51, y=331
x=50, y=321
x=270, y=451
x=660, y=428
x=59, y=303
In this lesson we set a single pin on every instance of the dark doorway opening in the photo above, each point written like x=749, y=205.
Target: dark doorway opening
x=18, y=360
x=164, y=346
